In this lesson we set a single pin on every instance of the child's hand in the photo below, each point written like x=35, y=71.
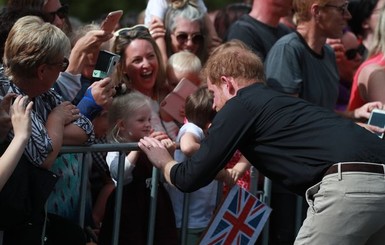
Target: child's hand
x=226, y=178
x=234, y=174
x=21, y=116
x=159, y=135
x=169, y=144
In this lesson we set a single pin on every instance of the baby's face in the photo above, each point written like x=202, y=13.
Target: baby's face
x=174, y=76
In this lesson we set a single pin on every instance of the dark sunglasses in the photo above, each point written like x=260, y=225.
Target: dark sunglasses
x=343, y=9
x=63, y=64
x=62, y=13
x=351, y=54
x=133, y=31
x=183, y=38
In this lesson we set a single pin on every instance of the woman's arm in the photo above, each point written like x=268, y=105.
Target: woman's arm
x=21, y=122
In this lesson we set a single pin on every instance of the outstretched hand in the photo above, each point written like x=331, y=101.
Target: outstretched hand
x=155, y=151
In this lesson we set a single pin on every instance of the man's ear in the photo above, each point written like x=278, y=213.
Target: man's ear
x=315, y=11
x=230, y=85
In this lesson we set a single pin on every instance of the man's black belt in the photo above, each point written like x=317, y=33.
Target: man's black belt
x=356, y=167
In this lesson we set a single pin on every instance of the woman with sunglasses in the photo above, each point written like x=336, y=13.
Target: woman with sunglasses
x=68, y=83
x=184, y=29
x=55, y=122
x=141, y=68
x=348, y=61
x=369, y=80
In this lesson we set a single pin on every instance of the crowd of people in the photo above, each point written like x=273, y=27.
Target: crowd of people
x=286, y=87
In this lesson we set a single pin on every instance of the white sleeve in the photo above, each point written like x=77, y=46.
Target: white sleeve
x=155, y=8
x=201, y=6
x=68, y=85
x=112, y=160
x=158, y=8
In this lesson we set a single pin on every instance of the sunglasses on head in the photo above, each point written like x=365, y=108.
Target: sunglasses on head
x=132, y=31
x=62, y=13
x=183, y=38
x=351, y=54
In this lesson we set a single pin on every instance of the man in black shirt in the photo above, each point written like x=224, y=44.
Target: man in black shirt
x=261, y=28
x=336, y=164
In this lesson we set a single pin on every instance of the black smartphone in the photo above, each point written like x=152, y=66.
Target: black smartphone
x=377, y=118
x=105, y=64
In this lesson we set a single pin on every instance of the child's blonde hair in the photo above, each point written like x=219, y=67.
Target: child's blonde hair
x=122, y=107
x=184, y=61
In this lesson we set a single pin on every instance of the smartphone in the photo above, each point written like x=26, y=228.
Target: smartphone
x=177, y=98
x=110, y=22
x=377, y=118
x=105, y=64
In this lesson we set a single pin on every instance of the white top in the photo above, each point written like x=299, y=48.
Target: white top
x=202, y=201
x=158, y=8
x=112, y=160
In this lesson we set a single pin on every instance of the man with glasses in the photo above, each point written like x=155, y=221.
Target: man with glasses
x=301, y=64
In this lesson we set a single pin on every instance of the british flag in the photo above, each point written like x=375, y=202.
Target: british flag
x=239, y=220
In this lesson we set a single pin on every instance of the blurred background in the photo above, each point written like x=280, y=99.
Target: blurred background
x=88, y=10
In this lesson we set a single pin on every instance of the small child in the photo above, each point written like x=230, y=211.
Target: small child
x=129, y=119
x=183, y=64
x=199, y=112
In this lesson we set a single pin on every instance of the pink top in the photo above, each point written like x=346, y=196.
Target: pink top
x=356, y=100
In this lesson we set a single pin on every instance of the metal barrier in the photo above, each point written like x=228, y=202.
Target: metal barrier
x=122, y=148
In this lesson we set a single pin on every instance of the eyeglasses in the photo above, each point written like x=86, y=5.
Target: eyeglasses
x=183, y=38
x=132, y=31
x=63, y=64
x=343, y=9
x=62, y=13
x=351, y=54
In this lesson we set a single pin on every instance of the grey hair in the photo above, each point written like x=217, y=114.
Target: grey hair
x=188, y=12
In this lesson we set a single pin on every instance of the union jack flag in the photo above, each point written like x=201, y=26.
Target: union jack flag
x=239, y=220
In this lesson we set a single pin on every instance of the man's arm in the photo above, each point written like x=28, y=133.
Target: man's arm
x=214, y=153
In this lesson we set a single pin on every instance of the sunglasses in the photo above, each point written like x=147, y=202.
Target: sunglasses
x=62, y=13
x=343, y=9
x=132, y=31
x=63, y=64
x=351, y=54
x=183, y=38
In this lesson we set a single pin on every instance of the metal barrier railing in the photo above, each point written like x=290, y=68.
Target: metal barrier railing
x=122, y=148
